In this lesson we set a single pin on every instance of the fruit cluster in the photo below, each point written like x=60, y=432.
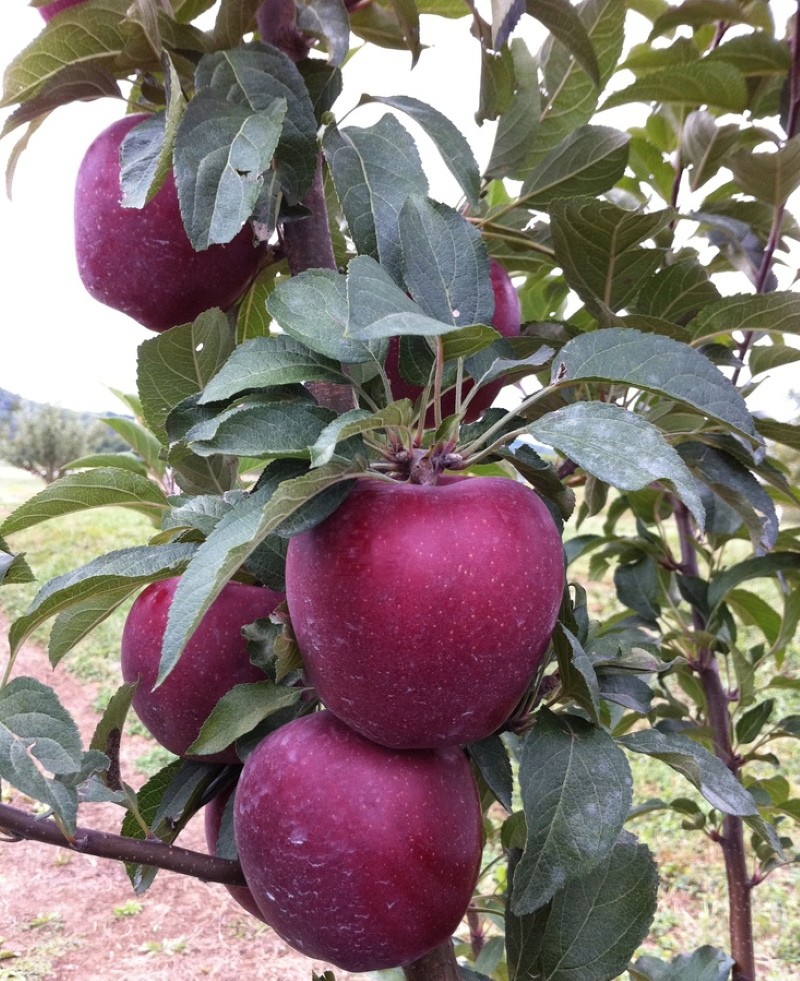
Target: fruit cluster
x=422, y=612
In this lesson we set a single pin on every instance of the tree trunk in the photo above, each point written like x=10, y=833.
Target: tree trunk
x=439, y=965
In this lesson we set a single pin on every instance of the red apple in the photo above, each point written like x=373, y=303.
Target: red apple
x=140, y=260
x=48, y=11
x=507, y=320
x=423, y=612
x=214, y=660
x=357, y=855
x=212, y=816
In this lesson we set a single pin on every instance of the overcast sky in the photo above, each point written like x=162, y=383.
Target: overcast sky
x=57, y=344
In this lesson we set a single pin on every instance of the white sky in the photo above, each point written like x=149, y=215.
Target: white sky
x=57, y=344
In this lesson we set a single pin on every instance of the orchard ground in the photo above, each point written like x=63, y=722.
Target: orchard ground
x=65, y=915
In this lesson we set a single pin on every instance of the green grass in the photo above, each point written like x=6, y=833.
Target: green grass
x=693, y=903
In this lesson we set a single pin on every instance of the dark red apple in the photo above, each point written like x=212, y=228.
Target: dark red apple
x=423, y=612
x=140, y=260
x=214, y=660
x=48, y=11
x=212, y=815
x=357, y=855
x=507, y=320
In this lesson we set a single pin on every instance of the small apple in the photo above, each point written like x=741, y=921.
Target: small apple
x=49, y=10
x=506, y=320
x=140, y=260
x=213, y=813
x=357, y=855
x=214, y=660
x=423, y=612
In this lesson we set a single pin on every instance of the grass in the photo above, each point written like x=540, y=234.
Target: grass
x=693, y=903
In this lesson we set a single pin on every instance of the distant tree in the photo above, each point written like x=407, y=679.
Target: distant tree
x=43, y=440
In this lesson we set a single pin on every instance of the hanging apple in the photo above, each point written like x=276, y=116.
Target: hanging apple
x=358, y=855
x=214, y=660
x=423, y=612
x=140, y=260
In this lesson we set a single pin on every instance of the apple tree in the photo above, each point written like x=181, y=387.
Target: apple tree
x=387, y=443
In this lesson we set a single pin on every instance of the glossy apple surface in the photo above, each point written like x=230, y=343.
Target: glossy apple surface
x=51, y=9
x=358, y=855
x=506, y=319
x=212, y=817
x=422, y=613
x=140, y=260
x=214, y=660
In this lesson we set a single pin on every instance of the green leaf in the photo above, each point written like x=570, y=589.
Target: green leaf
x=261, y=427
x=704, y=964
x=145, y=160
x=356, y=422
x=770, y=177
x=312, y=307
x=705, y=145
x=254, y=76
x=656, y=364
x=753, y=721
x=121, y=461
x=617, y=447
x=79, y=619
x=564, y=23
x=39, y=737
x=240, y=710
x=445, y=263
x=451, y=144
x=577, y=674
x=676, y=292
x=134, y=567
x=491, y=757
x=374, y=170
x=576, y=791
x=597, y=921
x=379, y=308
x=704, y=770
x=755, y=55
x=776, y=312
x=737, y=486
x=13, y=568
x=179, y=363
x=102, y=487
x=638, y=587
x=264, y=362
x=326, y=20
x=756, y=568
x=515, y=135
x=571, y=95
x=716, y=84
x=222, y=151
x=698, y=13
x=590, y=160
x=598, y=245
x=84, y=35
x=270, y=509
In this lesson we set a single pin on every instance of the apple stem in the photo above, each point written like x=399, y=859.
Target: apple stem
x=438, y=965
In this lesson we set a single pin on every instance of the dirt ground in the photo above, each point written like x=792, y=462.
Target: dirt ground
x=65, y=915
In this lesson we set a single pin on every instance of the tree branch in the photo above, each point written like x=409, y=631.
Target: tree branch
x=19, y=825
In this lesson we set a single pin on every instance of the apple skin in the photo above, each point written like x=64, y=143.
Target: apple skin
x=51, y=9
x=213, y=661
x=140, y=260
x=506, y=320
x=357, y=855
x=423, y=612
x=212, y=817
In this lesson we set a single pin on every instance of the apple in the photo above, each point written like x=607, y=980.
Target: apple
x=140, y=260
x=214, y=660
x=48, y=11
x=506, y=320
x=357, y=855
x=213, y=813
x=423, y=612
